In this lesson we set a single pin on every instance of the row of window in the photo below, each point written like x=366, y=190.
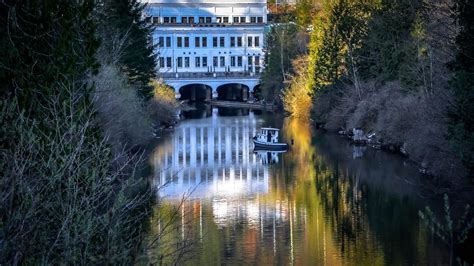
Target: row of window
x=202, y=20
x=217, y=61
x=252, y=41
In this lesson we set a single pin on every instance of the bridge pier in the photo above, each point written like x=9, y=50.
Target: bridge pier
x=245, y=95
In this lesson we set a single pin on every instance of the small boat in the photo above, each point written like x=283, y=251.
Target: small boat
x=267, y=139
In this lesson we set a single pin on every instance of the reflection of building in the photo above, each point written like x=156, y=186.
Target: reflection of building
x=211, y=157
x=210, y=43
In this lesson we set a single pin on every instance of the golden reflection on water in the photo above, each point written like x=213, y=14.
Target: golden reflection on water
x=299, y=211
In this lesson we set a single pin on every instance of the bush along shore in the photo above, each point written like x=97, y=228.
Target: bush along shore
x=76, y=110
x=397, y=75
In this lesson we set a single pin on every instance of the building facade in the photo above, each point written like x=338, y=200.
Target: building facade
x=208, y=42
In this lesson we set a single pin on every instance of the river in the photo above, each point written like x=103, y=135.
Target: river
x=324, y=202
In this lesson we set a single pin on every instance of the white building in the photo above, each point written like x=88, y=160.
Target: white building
x=209, y=44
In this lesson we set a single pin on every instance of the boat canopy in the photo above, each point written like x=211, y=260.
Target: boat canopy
x=268, y=135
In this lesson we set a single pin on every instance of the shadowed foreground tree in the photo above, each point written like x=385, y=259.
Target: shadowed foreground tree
x=462, y=115
x=123, y=21
x=66, y=199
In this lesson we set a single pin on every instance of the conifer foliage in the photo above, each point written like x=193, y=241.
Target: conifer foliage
x=462, y=114
x=44, y=43
x=137, y=57
x=65, y=198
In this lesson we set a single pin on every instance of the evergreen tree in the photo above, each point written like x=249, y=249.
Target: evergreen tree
x=388, y=47
x=44, y=43
x=63, y=202
x=137, y=59
x=462, y=115
x=282, y=47
x=465, y=39
x=338, y=33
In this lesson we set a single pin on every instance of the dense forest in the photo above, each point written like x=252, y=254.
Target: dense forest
x=77, y=106
x=400, y=70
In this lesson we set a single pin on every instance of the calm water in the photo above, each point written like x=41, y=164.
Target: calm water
x=324, y=202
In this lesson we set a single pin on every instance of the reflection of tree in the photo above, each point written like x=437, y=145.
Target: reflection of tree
x=163, y=149
x=362, y=221
x=367, y=217
x=170, y=238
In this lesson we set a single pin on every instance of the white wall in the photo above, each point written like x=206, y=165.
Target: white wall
x=160, y=9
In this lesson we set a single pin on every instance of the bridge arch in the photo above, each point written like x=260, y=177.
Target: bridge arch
x=195, y=92
x=233, y=92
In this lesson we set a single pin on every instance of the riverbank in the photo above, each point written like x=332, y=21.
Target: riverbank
x=438, y=177
x=413, y=124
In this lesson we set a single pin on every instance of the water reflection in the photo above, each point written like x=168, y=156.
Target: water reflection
x=223, y=111
x=203, y=110
x=358, y=151
x=211, y=157
x=268, y=157
x=197, y=110
x=322, y=202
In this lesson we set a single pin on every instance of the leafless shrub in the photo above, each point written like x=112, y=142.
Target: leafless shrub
x=427, y=137
x=122, y=114
x=398, y=116
x=343, y=106
x=365, y=110
x=323, y=104
x=62, y=202
x=162, y=113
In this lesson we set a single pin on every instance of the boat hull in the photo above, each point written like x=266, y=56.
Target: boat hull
x=269, y=146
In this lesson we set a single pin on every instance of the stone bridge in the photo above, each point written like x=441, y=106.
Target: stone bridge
x=207, y=86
